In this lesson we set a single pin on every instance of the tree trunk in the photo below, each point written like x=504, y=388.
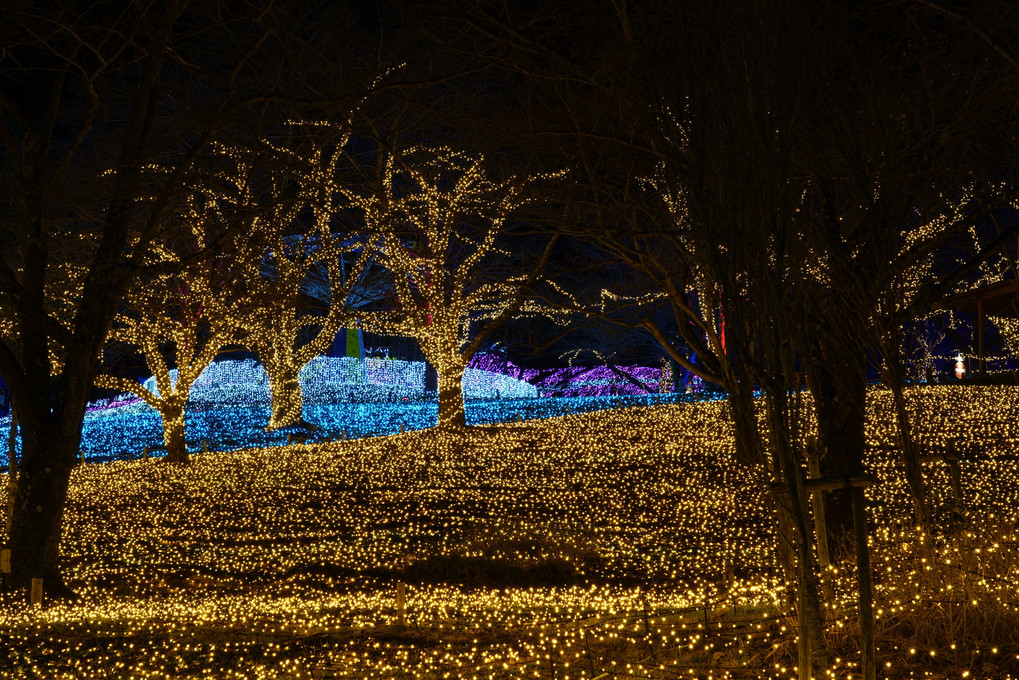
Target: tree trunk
x=287, y=399
x=910, y=454
x=677, y=376
x=172, y=412
x=451, y=401
x=12, y=470
x=12, y=445
x=47, y=458
x=865, y=589
x=807, y=584
x=838, y=383
x=744, y=421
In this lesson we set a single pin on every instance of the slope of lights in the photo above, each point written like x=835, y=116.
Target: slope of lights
x=616, y=544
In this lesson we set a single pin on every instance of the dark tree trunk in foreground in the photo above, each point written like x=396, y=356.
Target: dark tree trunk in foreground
x=909, y=452
x=744, y=420
x=49, y=452
x=838, y=385
x=794, y=498
x=38, y=517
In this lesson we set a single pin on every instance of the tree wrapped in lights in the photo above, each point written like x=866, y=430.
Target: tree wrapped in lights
x=433, y=218
x=250, y=292
x=169, y=320
x=299, y=263
x=184, y=319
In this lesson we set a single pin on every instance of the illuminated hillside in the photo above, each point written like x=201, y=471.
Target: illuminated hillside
x=622, y=542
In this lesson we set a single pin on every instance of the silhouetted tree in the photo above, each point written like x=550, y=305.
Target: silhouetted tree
x=94, y=98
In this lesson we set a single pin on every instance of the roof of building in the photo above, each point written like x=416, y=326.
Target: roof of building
x=998, y=299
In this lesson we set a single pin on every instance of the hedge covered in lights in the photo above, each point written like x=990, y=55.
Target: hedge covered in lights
x=330, y=380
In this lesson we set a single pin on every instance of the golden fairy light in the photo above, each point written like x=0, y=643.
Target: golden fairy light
x=434, y=217
x=622, y=542
x=249, y=291
x=186, y=316
x=276, y=326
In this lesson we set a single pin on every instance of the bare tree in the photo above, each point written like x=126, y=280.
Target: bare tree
x=894, y=170
x=803, y=192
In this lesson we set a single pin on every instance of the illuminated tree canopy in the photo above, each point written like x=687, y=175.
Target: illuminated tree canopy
x=434, y=219
x=303, y=236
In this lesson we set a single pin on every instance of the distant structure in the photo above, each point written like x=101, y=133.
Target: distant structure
x=349, y=342
x=994, y=300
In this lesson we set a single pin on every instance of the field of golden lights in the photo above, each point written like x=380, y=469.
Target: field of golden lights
x=618, y=544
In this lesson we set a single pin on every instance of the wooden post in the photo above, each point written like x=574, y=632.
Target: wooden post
x=401, y=428
x=803, y=650
x=868, y=664
x=81, y=454
x=205, y=446
x=36, y=591
x=5, y=560
x=401, y=603
x=820, y=526
x=145, y=453
x=981, y=322
x=344, y=434
x=590, y=657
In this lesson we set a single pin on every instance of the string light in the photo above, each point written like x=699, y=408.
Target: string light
x=229, y=404
x=283, y=334
x=193, y=310
x=435, y=217
x=528, y=547
x=227, y=299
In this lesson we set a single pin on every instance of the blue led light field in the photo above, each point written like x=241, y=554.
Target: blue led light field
x=119, y=433
x=229, y=408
